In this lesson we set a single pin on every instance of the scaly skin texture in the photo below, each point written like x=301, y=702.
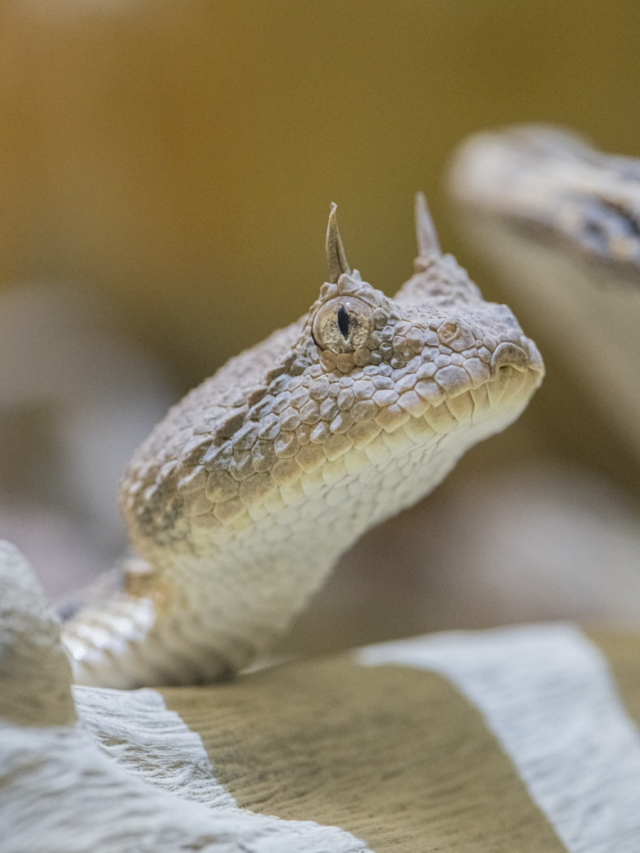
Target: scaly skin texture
x=243, y=498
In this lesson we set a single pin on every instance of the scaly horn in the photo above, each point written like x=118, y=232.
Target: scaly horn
x=336, y=258
x=428, y=242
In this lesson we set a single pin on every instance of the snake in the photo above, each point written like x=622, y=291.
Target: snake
x=557, y=222
x=243, y=498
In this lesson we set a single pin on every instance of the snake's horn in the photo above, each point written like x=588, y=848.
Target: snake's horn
x=428, y=242
x=336, y=258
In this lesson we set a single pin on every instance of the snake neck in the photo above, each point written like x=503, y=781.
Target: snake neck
x=205, y=613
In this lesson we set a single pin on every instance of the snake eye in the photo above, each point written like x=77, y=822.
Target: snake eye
x=343, y=325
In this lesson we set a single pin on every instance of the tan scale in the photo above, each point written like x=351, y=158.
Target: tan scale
x=245, y=496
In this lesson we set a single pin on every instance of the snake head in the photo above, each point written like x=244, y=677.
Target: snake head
x=361, y=380
x=243, y=498
x=436, y=354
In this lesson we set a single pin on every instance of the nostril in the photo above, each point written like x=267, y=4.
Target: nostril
x=509, y=355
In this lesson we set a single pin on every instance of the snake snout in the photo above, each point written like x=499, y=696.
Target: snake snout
x=512, y=355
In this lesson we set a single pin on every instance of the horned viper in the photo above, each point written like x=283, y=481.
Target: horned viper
x=243, y=498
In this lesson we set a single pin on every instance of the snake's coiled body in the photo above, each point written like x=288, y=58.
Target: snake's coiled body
x=243, y=498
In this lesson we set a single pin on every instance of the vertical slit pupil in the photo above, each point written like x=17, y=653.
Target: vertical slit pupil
x=343, y=321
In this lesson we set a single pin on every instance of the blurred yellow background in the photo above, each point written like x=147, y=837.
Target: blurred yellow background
x=180, y=156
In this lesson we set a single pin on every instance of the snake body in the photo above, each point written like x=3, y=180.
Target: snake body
x=243, y=498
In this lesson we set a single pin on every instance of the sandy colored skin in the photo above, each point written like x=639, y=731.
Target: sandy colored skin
x=550, y=184
x=558, y=223
x=243, y=498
